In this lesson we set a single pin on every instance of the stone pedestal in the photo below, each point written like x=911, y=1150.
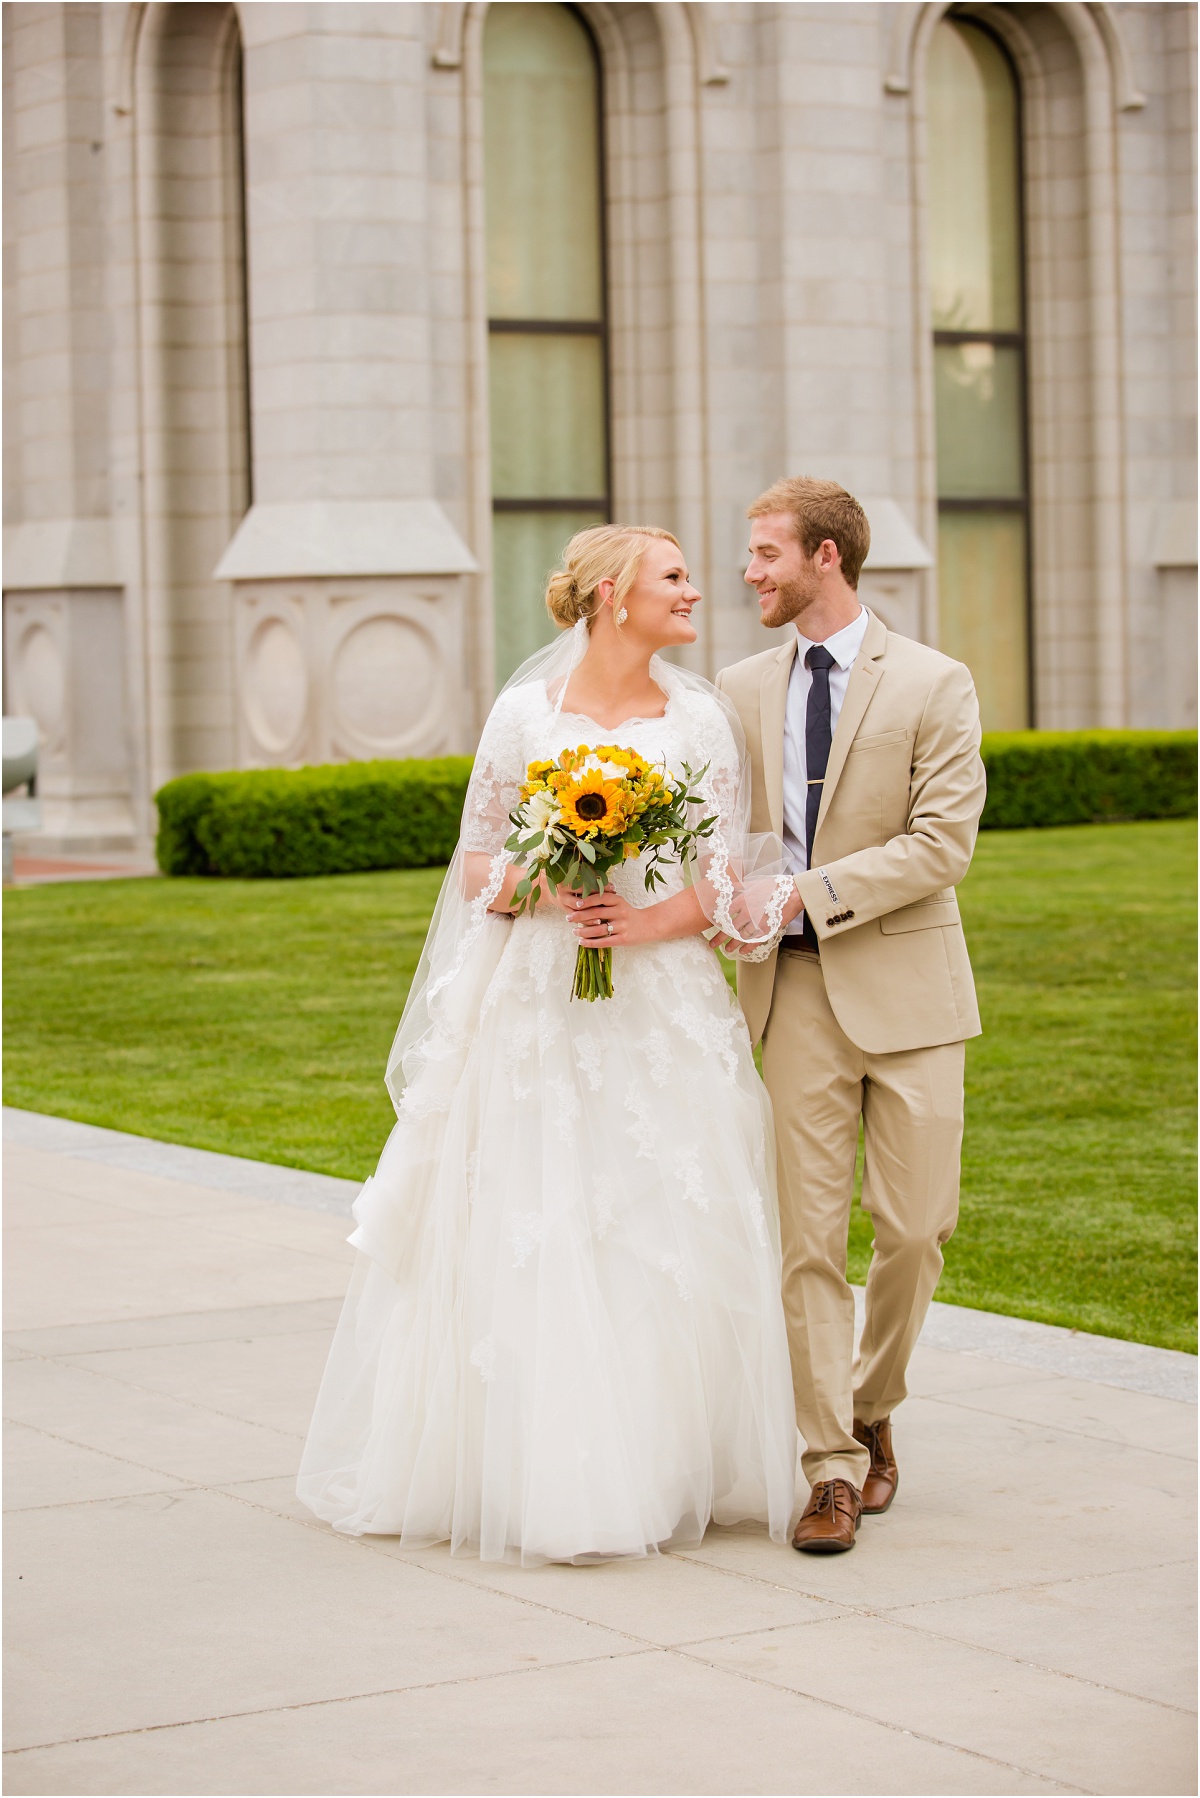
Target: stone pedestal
x=64, y=653
x=348, y=632
x=343, y=669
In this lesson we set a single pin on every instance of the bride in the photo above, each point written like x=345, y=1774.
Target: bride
x=563, y=1337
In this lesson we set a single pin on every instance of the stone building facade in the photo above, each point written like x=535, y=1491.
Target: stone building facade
x=326, y=323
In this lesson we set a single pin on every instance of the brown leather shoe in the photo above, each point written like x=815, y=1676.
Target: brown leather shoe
x=830, y=1519
x=879, y=1487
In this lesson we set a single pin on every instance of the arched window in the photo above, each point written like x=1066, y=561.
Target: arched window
x=976, y=267
x=546, y=306
x=197, y=453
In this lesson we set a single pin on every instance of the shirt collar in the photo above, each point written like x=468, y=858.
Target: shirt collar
x=844, y=645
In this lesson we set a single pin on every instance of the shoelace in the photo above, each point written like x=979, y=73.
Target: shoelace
x=827, y=1500
x=874, y=1447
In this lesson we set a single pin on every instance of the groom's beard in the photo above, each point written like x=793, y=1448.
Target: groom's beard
x=792, y=598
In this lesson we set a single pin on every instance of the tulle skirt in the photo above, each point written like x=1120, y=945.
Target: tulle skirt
x=563, y=1338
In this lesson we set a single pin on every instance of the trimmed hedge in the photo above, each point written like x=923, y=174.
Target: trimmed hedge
x=1041, y=777
x=282, y=823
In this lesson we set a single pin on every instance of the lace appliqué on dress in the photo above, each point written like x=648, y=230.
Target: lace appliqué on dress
x=483, y=1357
x=602, y=1209
x=671, y=1264
x=520, y=1042
x=525, y=1231
x=691, y=1178
x=563, y=1106
x=643, y=1129
x=588, y=1059
x=656, y=1047
x=712, y=1034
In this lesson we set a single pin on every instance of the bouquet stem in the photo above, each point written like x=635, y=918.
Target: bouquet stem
x=593, y=974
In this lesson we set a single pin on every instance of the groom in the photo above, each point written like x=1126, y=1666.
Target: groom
x=864, y=750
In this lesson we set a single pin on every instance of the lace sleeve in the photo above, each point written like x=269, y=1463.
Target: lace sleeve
x=495, y=780
x=741, y=877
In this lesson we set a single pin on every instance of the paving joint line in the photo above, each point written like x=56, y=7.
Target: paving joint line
x=866, y=1610
x=918, y=1735
x=164, y=1317
x=1015, y=1660
x=123, y=1460
x=97, y=1373
x=648, y=1643
x=553, y=1667
x=916, y=1629
x=406, y=1557
x=1066, y=1429
x=308, y=1704
x=640, y=1645
x=1038, y=1585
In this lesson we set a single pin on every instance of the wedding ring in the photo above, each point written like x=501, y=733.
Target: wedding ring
x=610, y=927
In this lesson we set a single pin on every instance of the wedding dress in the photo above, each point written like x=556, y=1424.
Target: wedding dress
x=563, y=1337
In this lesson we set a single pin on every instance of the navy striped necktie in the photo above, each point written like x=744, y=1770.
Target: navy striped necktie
x=818, y=736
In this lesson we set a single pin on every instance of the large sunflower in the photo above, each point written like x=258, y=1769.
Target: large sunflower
x=592, y=805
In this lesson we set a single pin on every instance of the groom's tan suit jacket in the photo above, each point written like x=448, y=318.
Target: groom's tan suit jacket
x=899, y=813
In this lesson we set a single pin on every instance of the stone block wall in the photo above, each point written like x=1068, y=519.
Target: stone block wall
x=255, y=429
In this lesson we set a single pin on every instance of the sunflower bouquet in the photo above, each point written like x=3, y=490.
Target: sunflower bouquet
x=581, y=816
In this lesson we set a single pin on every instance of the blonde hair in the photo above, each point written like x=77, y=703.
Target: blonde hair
x=604, y=552
x=820, y=510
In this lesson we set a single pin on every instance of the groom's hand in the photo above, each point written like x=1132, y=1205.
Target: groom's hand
x=732, y=945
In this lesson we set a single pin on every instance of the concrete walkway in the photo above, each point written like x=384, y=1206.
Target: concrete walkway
x=1019, y=1622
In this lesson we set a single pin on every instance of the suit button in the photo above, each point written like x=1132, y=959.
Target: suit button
x=831, y=920
x=848, y=915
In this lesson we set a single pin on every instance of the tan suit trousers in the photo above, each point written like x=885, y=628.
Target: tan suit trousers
x=911, y=1104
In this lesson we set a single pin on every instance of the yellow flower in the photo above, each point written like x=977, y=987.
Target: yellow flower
x=537, y=778
x=628, y=759
x=592, y=805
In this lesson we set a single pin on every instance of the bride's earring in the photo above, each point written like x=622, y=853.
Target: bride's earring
x=622, y=615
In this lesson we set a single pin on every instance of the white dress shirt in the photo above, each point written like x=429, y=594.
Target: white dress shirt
x=843, y=646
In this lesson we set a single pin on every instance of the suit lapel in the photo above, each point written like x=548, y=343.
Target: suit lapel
x=772, y=701
x=860, y=689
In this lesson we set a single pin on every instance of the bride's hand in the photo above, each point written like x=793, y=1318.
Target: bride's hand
x=606, y=921
x=564, y=897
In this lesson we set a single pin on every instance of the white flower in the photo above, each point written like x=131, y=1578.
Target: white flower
x=543, y=810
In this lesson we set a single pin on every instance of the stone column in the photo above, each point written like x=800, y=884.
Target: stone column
x=347, y=574
x=64, y=599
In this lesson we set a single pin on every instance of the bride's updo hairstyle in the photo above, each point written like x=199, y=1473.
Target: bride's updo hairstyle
x=604, y=552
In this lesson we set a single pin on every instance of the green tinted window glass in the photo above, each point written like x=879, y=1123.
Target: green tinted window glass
x=978, y=394
x=545, y=262
x=974, y=183
x=982, y=608
x=547, y=410
x=526, y=546
x=541, y=149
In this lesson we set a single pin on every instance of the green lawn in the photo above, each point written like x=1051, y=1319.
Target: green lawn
x=255, y=1018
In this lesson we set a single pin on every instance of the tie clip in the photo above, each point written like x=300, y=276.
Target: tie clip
x=816, y=783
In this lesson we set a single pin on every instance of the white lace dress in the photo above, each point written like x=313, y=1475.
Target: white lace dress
x=563, y=1337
